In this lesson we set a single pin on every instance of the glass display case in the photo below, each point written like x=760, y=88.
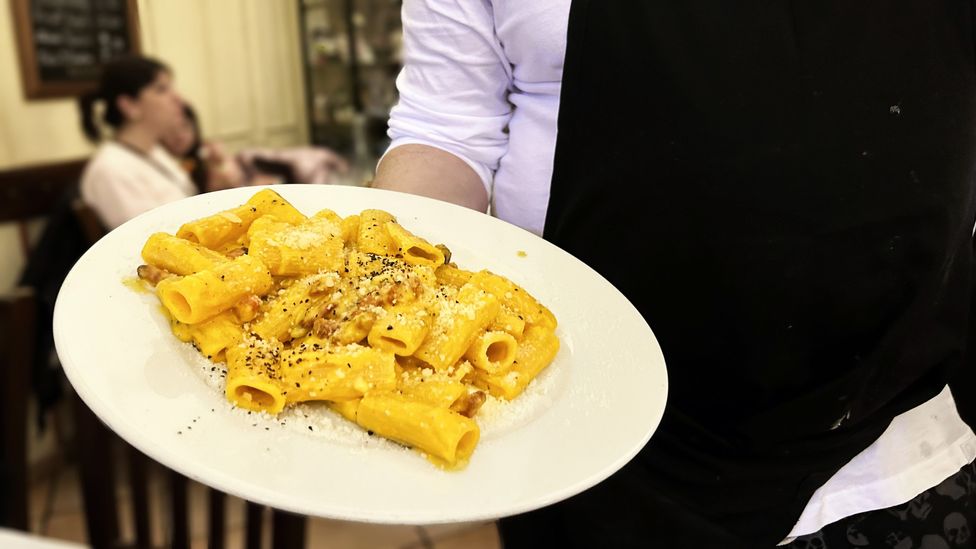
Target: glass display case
x=352, y=55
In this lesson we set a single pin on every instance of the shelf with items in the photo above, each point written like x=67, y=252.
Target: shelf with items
x=352, y=58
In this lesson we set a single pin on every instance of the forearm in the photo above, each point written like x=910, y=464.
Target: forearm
x=431, y=172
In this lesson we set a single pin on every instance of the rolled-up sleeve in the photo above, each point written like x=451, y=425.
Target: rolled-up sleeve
x=453, y=89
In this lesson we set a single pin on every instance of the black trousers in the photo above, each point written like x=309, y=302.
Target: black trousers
x=622, y=513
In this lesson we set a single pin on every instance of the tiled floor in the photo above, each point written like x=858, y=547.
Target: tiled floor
x=57, y=512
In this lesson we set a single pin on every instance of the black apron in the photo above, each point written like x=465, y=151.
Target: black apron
x=785, y=190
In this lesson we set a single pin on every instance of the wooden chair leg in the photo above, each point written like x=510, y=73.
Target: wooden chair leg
x=287, y=530
x=18, y=310
x=255, y=522
x=139, y=484
x=97, y=481
x=215, y=537
x=180, y=530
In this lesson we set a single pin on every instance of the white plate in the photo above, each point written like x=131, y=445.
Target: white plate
x=588, y=414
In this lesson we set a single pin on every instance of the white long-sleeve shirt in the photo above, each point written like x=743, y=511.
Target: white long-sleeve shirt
x=120, y=183
x=481, y=80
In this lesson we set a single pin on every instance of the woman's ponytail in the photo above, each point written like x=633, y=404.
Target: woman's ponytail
x=89, y=126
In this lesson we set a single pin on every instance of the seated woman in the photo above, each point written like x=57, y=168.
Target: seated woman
x=131, y=173
x=212, y=168
x=206, y=162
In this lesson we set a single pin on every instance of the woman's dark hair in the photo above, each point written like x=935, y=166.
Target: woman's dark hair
x=122, y=76
x=198, y=172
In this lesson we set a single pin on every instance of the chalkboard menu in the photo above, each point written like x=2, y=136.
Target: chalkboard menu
x=63, y=43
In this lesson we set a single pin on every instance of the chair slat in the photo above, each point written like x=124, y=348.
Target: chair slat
x=96, y=466
x=254, y=524
x=215, y=537
x=139, y=484
x=178, y=515
x=17, y=314
x=287, y=530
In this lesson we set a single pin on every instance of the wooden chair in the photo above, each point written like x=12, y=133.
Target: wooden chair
x=97, y=468
x=16, y=326
x=91, y=226
x=25, y=193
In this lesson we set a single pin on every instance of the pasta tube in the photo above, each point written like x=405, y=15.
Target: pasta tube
x=340, y=374
x=289, y=308
x=294, y=250
x=444, y=435
x=252, y=377
x=492, y=352
x=536, y=350
x=412, y=248
x=346, y=408
x=179, y=256
x=226, y=226
x=456, y=325
x=401, y=329
x=509, y=322
x=373, y=238
x=514, y=298
x=449, y=275
x=197, y=297
x=212, y=337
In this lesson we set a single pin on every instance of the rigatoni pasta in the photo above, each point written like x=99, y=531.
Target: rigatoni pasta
x=356, y=311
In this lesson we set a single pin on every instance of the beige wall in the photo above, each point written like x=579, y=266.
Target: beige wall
x=237, y=61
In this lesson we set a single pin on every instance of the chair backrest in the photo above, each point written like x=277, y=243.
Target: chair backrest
x=90, y=224
x=99, y=466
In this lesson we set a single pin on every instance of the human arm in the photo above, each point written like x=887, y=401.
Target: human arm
x=223, y=172
x=429, y=171
x=448, y=130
